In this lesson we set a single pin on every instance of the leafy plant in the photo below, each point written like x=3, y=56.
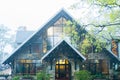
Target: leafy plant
x=83, y=75
x=16, y=78
x=27, y=77
x=99, y=76
x=42, y=76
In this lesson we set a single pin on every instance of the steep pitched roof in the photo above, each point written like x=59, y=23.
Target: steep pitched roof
x=64, y=42
x=34, y=36
x=112, y=55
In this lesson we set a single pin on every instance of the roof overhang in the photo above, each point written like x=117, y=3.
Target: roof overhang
x=67, y=47
x=36, y=34
x=112, y=55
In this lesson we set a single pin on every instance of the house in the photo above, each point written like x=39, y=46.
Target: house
x=51, y=49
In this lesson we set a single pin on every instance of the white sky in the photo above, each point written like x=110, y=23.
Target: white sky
x=29, y=13
x=34, y=13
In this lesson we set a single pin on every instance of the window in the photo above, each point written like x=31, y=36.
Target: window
x=44, y=46
x=104, y=65
x=27, y=66
x=50, y=31
x=94, y=66
x=56, y=32
x=98, y=66
x=35, y=48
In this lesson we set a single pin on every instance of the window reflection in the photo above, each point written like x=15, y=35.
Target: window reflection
x=56, y=32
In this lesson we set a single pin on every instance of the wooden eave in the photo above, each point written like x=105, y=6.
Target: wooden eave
x=68, y=45
x=113, y=57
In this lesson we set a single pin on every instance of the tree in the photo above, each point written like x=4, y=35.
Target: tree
x=4, y=40
x=103, y=18
x=82, y=40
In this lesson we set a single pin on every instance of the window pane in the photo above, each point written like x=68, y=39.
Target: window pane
x=32, y=68
x=35, y=48
x=50, y=31
x=58, y=31
x=104, y=67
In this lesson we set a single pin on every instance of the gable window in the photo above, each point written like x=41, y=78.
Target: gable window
x=56, y=32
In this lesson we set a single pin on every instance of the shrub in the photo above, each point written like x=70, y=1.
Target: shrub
x=27, y=77
x=16, y=78
x=42, y=76
x=99, y=76
x=83, y=75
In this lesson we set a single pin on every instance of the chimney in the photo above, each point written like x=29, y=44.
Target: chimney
x=22, y=28
x=115, y=46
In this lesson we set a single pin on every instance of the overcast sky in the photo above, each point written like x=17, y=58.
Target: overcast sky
x=29, y=13
x=34, y=13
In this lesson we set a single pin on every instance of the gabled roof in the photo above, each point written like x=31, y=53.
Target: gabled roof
x=112, y=55
x=34, y=36
x=68, y=45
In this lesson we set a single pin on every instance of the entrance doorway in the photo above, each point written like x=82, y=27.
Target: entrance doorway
x=63, y=70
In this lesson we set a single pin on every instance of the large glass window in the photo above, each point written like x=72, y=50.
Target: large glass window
x=27, y=66
x=96, y=66
x=56, y=32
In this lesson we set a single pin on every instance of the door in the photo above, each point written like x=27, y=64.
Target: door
x=63, y=70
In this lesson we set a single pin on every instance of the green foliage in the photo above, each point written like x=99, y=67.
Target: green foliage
x=114, y=15
x=16, y=78
x=85, y=46
x=109, y=2
x=71, y=31
x=42, y=76
x=83, y=75
x=27, y=77
x=82, y=40
x=98, y=76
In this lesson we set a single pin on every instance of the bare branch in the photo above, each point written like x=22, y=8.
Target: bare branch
x=104, y=25
x=101, y=26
